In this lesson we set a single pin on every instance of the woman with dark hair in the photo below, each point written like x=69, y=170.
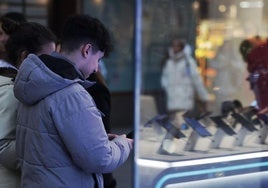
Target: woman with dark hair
x=102, y=97
x=8, y=23
x=25, y=39
x=29, y=38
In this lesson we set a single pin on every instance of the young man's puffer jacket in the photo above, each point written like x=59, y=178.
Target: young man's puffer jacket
x=61, y=140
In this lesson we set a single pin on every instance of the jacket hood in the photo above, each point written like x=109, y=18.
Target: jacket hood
x=186, y=51
x=41, y=76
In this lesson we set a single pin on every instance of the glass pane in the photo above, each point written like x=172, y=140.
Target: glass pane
x=199, y=125
x=118, y=17
x=37, y=11
x=197, y=118
x=34, y=10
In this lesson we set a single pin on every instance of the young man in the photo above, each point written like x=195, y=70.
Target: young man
x=61, y=140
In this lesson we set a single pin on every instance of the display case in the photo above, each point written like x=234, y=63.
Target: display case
x=216, y=146
x=214, y=151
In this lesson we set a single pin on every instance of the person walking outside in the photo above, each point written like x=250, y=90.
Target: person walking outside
x=181, y=82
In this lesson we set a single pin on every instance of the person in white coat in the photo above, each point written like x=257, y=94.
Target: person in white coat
x=181, y=82
x=20, y=43
x=9, y=171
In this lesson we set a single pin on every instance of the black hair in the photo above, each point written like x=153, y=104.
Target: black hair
x=15, y=16
x=82, y=29
x=244, y=48
x=29, y=37
x=97, y=77
x=11, y=20
x=179, y=42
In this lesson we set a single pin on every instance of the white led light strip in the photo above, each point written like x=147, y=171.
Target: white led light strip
x=161, y=164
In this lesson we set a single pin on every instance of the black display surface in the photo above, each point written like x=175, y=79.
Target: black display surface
x=244, y=122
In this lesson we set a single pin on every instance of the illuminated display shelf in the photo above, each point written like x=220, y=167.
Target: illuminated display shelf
x=219, y=167
x=243, y=165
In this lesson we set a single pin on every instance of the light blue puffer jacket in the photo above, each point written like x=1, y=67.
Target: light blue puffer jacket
x=60, y=138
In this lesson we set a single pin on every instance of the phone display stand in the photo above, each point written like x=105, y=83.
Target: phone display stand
x=212, y=134
x=224, y=136
x=259, y=121
x=199, y=134
x=263, y=134
x=248, y=134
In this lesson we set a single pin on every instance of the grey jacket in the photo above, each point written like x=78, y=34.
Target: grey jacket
x=61, y=140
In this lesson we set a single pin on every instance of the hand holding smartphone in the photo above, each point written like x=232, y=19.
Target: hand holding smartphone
x=128, y=135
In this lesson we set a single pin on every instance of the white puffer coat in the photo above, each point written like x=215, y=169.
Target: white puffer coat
x=9, y=172
x=180, y=79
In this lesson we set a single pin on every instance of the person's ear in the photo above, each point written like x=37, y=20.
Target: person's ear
x=86, y=49
x=22, y=56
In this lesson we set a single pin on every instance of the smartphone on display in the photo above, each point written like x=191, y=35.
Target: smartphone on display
x=196, y=125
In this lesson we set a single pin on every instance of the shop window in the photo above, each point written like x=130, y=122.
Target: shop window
x=34, y=10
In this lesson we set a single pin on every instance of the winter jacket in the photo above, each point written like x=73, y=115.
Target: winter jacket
x=9, y=172
x=180, y=80
x=60, y=139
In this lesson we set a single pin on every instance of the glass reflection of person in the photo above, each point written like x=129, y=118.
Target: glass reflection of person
x=257, y=67
x=181, y=82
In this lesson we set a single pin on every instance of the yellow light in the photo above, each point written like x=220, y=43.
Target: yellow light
x=222, y=8
x=98, y=2
x=196, y=5
x=43, y=2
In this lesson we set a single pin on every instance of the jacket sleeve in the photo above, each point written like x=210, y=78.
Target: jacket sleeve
x=197, y=80
x=8, y=111
x=8, y=157
x=164, y=76
x=81, y=129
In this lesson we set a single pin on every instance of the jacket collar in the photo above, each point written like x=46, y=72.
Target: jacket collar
x=61, y=66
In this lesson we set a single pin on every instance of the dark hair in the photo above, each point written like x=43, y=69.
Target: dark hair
x=244, y=48
x=179, y=42
x=11, y=20
x=82, y=29
x=29, y=37
x=97, y=77
x=15, y=16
